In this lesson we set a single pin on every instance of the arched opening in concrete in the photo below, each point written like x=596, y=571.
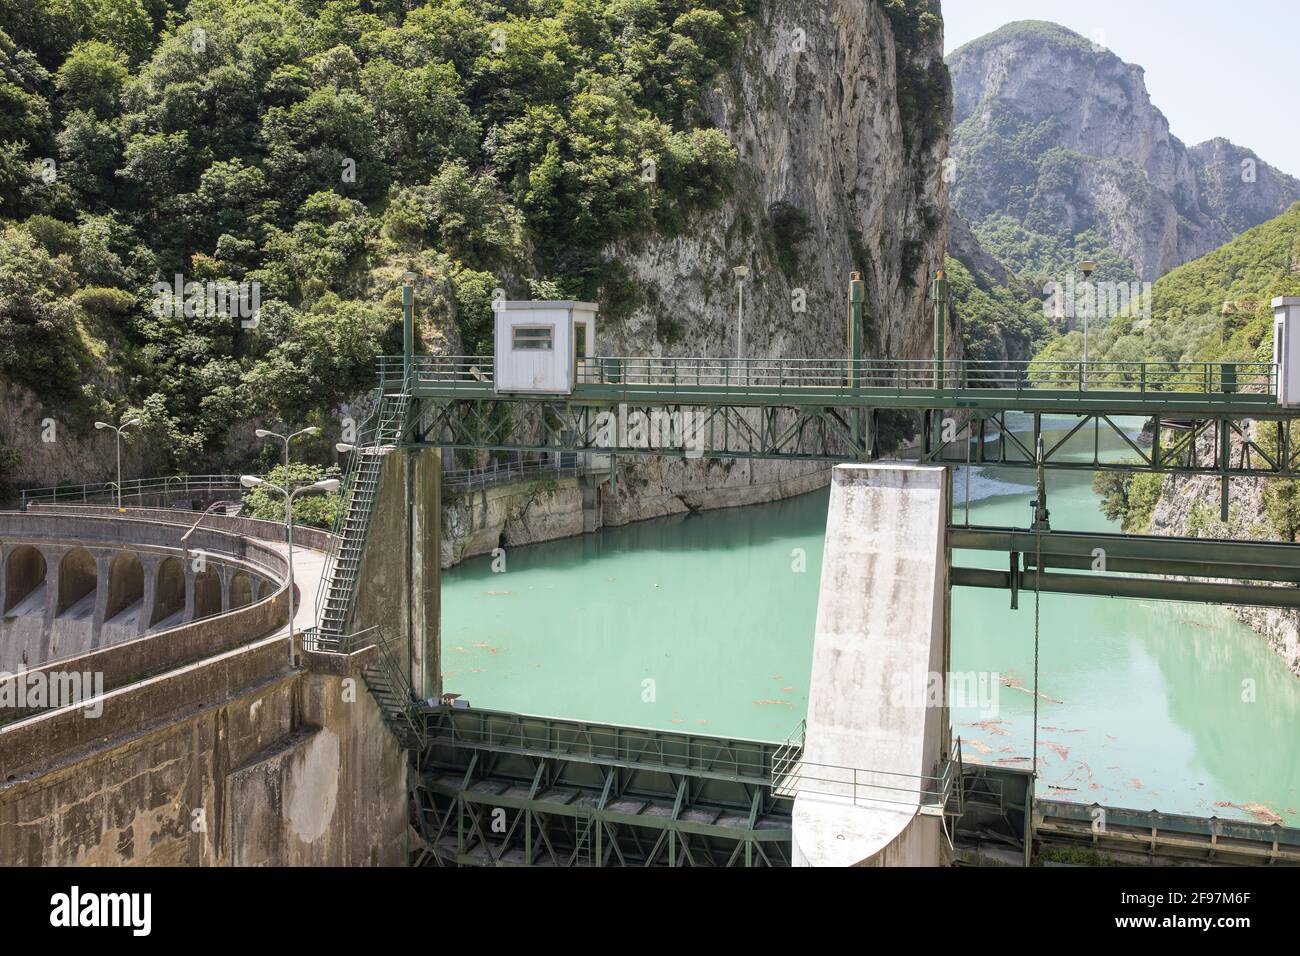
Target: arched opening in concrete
x=207, y=594
x=169, y=595
x=241, y=590
x=78, y=577
x=24, y=579
x=125, y=584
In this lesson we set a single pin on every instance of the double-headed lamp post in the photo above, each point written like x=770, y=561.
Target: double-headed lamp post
x=118, y=429
x=263, y=433
x=326, y=486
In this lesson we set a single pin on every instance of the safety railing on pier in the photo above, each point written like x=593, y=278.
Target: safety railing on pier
x=931, y=793
x=134, y=490
x=776, y=375
x=385, y=676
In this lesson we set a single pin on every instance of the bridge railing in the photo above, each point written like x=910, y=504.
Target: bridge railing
x=732, y=758
x=134, y=490
x=778, y=375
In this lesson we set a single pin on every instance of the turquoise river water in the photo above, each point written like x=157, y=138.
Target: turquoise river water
x=705, y=623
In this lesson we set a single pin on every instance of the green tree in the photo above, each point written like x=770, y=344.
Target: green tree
x=315, y=510
x=92, y=78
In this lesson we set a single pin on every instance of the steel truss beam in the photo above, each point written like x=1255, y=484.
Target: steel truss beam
x=799, y=433
x=991, y=400
x=837, y=434
x=1233, y=453
x=1259, y=573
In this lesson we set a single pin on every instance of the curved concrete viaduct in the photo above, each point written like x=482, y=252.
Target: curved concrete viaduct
x=68, y=585
x=193, y=739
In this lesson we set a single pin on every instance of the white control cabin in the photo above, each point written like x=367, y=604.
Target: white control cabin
x=541, y=345
x=1286, y=349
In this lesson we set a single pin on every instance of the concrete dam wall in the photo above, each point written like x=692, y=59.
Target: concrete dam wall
x=875, y=740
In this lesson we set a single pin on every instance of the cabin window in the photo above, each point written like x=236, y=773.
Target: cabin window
x=533, y=337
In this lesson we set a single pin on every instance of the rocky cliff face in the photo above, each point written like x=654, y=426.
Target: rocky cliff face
x=1061, y=136
x=1188, y=506
x=841, y=125
x=1239, y=188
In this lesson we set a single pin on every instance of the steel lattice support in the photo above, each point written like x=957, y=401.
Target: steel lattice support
x=500, y=789
x=1233, y=452
x=688, y=431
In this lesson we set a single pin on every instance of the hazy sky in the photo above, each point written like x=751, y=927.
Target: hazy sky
x=1213, y=68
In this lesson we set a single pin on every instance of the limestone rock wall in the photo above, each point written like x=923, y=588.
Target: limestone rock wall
x=814, y=108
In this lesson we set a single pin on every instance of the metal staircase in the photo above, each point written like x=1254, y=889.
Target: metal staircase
x=386, y=678
x=380, y=434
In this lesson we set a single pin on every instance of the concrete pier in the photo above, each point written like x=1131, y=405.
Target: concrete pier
x=877, y=732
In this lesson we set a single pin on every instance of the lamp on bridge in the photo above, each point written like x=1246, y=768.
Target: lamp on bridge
x=326, y=486
x=119, y=429
x=1087, y=267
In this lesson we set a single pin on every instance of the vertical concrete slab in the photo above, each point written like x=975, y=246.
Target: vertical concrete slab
x=400, y=578
x=426, y=572
x=877, y=716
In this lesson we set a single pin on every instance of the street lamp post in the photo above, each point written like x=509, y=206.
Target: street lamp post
x=1087, y=267
x=263, y=433
x=118, y=429
x=185, y=551
x=327, y=486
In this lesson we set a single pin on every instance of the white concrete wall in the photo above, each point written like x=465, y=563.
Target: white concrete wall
x=881, y=643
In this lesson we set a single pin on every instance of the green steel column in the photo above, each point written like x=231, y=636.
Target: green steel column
x=1225, y=456
x=939, y=294
x=857, y=295
x=408, y=324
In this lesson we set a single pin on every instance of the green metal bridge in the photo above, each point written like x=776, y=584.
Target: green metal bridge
x=509, y=789
x=830, y=409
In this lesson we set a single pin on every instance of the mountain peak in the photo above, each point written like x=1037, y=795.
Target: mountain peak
x=1069, y=146
x=1033, y=31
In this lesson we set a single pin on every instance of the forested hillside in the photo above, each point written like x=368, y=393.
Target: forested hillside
x=321, y=148
x=1215, y=308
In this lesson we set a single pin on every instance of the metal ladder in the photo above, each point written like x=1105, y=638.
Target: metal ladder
x=353, y=525
x=388, y=684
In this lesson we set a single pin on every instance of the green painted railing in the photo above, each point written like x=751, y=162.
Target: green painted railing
x=475, y=373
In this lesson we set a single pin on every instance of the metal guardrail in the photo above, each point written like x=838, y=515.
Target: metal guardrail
x=736, y=759
x=508, y=472
x=476, y=372
x=133, y=490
